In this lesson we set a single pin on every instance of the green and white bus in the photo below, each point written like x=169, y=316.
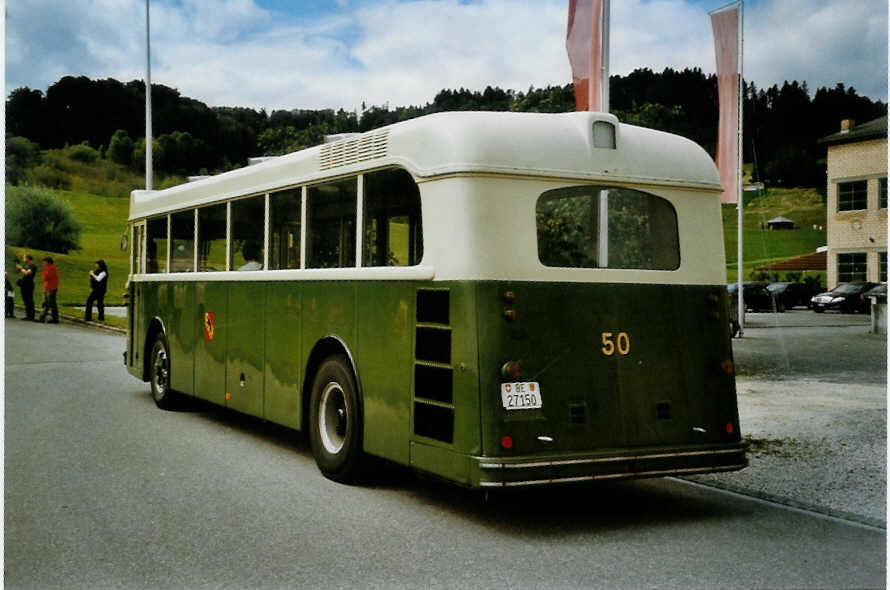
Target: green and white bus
x=497, y=299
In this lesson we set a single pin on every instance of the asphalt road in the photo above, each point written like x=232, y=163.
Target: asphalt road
x=105, y=491
x=801, y=344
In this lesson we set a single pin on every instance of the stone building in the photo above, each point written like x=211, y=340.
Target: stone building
x=857, y=202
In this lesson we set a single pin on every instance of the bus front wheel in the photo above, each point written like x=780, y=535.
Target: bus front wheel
x=159, y=373
x=335, y=421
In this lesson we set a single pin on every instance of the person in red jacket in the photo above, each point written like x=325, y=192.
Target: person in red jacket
x=50, y=287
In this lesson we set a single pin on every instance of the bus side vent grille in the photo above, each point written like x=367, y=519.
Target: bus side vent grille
x=433, y=374
x=577, y=413
x=370, y=146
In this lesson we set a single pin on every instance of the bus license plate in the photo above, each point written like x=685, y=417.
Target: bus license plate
x=525, y=395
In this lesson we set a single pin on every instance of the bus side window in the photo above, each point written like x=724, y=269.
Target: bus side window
x=156, y=245
x=136, y=252
x=284, y=228
x=182, y=241
x=392, y=234
x=331, y=225
x=248, y=222
x=212, y=238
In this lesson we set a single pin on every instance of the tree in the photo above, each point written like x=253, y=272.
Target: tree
x=120, y=148
x=35, y=218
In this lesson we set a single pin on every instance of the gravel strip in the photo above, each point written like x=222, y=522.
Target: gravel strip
x=815, y=445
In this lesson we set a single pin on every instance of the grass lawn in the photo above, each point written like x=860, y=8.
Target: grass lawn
x=104, y=220
x=760, y=246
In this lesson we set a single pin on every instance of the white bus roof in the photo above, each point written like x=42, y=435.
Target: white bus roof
x=527, y=144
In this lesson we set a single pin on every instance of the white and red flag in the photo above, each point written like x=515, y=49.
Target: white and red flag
x=727, y=40
x=584, y=44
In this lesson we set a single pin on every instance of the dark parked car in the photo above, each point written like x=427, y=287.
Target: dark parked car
x=847, y=298
x=788, y=295
x=879, y=293
x=757, y=298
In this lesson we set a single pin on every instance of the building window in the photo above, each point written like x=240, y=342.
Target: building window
x=852, y=196
x=883, y=193
x=883, y=269
x=851, y=267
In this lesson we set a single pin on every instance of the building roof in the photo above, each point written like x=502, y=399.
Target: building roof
x=874, y=129
x=814, y=261
x=780, y=219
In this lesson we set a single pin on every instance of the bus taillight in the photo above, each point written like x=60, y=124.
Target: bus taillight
x=507, y=442
x=511, y=370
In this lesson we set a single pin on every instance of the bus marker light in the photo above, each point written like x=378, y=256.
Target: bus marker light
x=729, y=428
x=507, y=441
x=509, y=314
x=726, y=366
x=228, y=396
x=510, y=296
x=511, y=370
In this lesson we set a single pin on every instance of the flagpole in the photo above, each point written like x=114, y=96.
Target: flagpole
x=148, y=137
x=604, y=66
x=739, y=203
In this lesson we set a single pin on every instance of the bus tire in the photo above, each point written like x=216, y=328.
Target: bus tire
x=159, y=373
x=335, y=421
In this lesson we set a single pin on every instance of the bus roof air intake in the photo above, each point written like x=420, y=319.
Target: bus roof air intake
x=368, y=146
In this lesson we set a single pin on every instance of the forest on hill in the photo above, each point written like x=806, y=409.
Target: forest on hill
x=782, y=123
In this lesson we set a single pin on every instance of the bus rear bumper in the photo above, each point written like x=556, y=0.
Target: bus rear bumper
x=639, y=463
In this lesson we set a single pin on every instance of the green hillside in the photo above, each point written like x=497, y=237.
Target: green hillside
x=803, y=206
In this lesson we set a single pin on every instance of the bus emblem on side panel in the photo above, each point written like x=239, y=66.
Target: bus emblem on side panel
x=208, y=326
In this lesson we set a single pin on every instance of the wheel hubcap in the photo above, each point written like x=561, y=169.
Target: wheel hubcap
x=160, y=372
x=333, y=417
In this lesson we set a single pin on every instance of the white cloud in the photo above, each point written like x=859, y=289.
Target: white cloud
x=233, y=52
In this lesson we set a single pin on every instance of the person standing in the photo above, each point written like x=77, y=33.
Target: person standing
x=10, y=298
x=98, y=288
x=50, y=288
x=28, y=270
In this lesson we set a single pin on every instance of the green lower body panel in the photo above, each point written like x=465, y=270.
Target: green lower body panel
x=493, y=472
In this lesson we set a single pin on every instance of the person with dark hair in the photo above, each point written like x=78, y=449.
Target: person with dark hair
x=28, y=270
x=98, y=288
x=50, y=289
x=251, y=252
x=10, y=298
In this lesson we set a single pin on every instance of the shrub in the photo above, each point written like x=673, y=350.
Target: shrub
x=35, y=218
x=21, y=154
x=48, y=176
x=120, y=148
x=82, y=153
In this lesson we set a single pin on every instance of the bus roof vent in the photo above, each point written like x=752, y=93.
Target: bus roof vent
x=368, y=146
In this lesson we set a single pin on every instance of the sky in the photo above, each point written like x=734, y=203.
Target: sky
x=287, y=54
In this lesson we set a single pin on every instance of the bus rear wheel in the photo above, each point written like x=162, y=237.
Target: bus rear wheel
x=335, y=421
x=159, y=374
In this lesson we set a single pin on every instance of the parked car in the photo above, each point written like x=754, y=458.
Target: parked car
x=757, y=298
x=879, y=293
x=846, y=298
x=789, y=295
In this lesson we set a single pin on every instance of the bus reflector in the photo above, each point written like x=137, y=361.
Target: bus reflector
x=511, y=370
x=509, y=314
x=729, y=428
x=507, y=441
x=726, y=366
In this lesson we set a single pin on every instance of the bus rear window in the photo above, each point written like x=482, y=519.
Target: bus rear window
x=603, y=227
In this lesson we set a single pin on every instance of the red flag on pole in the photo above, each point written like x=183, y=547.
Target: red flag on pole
x=725, y=24
x=584, y=46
